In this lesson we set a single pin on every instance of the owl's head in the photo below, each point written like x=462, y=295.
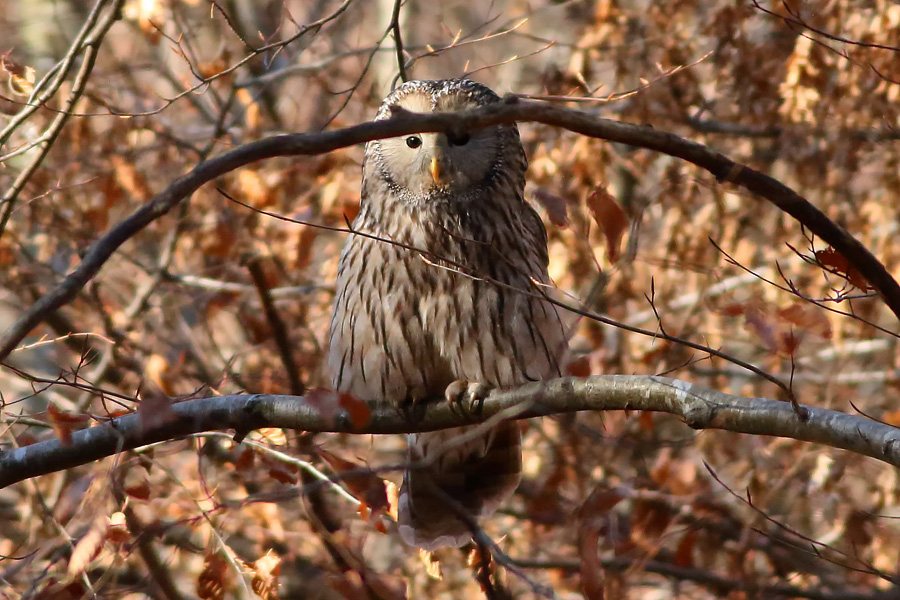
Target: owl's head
x=429, y=165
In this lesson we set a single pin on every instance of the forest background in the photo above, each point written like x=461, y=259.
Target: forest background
x=106, y=104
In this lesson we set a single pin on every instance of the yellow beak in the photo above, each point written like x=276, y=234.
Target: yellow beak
x=435, y=170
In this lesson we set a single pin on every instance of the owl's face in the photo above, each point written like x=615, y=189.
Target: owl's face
x=428, y=165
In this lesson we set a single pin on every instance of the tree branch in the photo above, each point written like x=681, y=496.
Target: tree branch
x=700, y=407
x=404, y=123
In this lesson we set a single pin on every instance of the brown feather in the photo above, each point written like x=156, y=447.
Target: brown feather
x=409, y=323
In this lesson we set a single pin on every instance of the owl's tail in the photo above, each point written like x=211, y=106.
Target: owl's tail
x=478, y=475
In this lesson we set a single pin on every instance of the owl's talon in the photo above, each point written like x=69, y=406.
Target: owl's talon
x=467, y=397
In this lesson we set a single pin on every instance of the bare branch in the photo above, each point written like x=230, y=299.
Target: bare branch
x=91, y=46
x=723, y=168
x=700, y=407
x=398, y=40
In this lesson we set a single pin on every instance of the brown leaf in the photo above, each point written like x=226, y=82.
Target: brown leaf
x=253, y=190
x=757, y=322
x=433, y=565
x=610, y=217
x=732, y=310
x=251, y=108
x=892, y=418
x=650, y=520
x=685, y=549
x=334, y=405
x=808, y=318
x=393, y=496
x=130, y=179
x=274, y=436
x=141, y=490
x=223, y=239
x=657, y=352
x=211, y=581
x=556, y=207
x=788, y=343
x=592, y=573
x=244, y=460
x=305, y=238
x=21, y=79
x=856, y=530
x=601, y=501
x=155, y=410
x=645, y=421
x=87, y=547
x=580, y=367
x=282, y=474
x=324, y=402
x=64, y=423
x=835, y=262
x=352, y=585
x=265, y=575
x=218, y=302
x=363, y=484
x=156, y=371
x=358, y=410
x=54, y=590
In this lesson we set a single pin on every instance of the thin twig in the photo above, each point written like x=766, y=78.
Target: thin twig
x=398, y=40
x=276, y=326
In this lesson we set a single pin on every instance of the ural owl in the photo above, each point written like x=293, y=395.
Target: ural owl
x=462, y=311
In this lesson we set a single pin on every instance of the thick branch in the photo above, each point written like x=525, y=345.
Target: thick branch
x=507, y=112
x=700, y=407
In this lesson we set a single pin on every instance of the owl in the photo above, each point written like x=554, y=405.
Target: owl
x=441, y=294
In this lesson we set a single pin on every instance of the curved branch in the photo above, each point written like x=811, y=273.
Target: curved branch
x=404, y=123
x=700, y=407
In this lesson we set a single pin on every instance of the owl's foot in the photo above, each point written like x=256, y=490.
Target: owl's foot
x=467, y=397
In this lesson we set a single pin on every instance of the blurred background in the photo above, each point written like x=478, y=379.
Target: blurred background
x=104, y=104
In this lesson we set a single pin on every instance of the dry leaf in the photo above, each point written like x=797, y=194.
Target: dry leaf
x=358, y=410
x=683, y=553
x=432, y=564
x=21, y=79
x=130, y=180
x=610, y=217
x=835, y=262
x=155, y=410
x=363, y=484
x=87, y=547
x=592, y=573
x=155, y=371
x=580, y=367
x=212, y=580
x=141, y=490
x=252, y=189
x=336, y=405
x=556, y=207
x=64, y=423
x=807, y=317
x=393, y=497
x=265, y=575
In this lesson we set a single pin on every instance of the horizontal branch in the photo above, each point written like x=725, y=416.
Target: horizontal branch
x=404, y=123
x=699, y=407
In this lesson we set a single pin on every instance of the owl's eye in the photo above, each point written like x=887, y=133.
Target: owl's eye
x=413, y=141
x=458, y=140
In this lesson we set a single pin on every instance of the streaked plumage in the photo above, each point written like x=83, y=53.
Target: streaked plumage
x=408, y=324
